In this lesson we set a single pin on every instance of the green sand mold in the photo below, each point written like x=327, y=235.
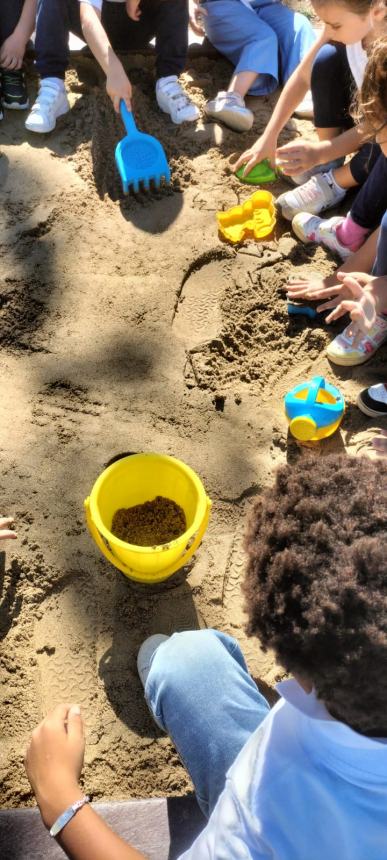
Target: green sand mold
x=260, y=173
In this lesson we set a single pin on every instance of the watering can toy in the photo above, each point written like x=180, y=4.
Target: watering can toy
x=133, y=480
x=314, y=409
x=140, y=158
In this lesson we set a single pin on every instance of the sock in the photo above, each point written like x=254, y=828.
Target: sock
x=332, y=181
x=351, y=235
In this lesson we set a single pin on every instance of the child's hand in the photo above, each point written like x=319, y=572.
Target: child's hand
x=133, y=10
x=357, y=295
x=196, y=15
x=297, y=156
x=54, y=760
x=5, y=531
x=12, y=51
x=262, y=148
x=118, y=85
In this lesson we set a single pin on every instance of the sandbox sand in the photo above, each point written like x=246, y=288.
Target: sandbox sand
x=127, y=325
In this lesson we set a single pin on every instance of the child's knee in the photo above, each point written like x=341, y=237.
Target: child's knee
x=182, y=657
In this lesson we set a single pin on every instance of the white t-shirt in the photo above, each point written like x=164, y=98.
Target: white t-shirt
x=304, y=787
x=357, y=59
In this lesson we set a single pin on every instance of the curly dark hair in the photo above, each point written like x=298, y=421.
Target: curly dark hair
x=316, y=584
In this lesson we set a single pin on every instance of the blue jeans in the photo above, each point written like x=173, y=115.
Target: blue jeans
x=167, y=20
x=380, y=267
x=268, y=39
x=200, y=692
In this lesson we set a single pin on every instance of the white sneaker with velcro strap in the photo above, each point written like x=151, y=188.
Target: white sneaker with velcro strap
x=51, y=103
x=172, y=99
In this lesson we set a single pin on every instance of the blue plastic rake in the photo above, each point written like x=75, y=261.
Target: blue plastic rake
x=140, y=158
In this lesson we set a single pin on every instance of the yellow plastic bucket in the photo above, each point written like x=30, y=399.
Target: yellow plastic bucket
x=132, y=481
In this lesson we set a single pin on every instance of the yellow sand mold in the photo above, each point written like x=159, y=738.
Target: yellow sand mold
x=254, y=219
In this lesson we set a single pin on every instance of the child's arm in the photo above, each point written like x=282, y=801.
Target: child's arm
x=13, y=49
x=292, y=93
x=300, y=155
x=53, y=762
x=117, y=82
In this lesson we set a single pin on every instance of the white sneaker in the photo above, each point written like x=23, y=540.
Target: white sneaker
x=51, y=103
x=319, y=193
x=305, y=109
x=311, y=228
x=146, y=653
x=172, y=99
x=230, y=108
x=341, y=350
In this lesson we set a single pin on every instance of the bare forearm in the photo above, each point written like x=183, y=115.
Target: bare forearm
x=87, y=837
x=294, y=90
x=26, y=24
x=344, y=144
x=96, y=38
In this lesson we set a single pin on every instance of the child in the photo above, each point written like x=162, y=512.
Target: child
x=308, y=778
x=333, y=72
x=344, y=235
x=107, y=26
x=265, y=41
x=17, y=23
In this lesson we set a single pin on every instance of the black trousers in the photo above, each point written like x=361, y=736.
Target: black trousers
x=10, y=11
x=166, y=20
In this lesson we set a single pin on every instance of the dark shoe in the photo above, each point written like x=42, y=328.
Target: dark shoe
x=14, y=94
x=373, y=401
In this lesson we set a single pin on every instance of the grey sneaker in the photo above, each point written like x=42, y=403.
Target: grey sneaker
x=319, y=193
x=230, y=108
x=146, y=654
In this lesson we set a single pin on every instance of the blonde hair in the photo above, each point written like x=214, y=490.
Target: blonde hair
x=372, y=99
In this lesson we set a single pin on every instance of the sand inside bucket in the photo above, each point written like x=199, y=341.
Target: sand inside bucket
x=150, y=524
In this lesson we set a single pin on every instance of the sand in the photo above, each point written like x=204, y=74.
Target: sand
x=127, y=325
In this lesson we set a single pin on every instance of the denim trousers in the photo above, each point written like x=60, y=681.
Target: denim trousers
x=269, y=39
x=200, y=692
x=10, y=11
x=380, y=267
x=167, y=20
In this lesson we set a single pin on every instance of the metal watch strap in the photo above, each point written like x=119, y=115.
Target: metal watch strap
x=67, y=815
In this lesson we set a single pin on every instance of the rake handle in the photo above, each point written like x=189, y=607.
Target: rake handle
x=127, y=118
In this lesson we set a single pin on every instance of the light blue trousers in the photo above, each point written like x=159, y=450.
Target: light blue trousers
x=268, y=39
x=200, y=692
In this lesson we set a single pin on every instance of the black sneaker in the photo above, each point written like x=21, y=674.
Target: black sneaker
x=14, y=94
x=373, y=401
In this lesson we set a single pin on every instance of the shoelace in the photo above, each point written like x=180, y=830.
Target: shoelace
x=46, y=97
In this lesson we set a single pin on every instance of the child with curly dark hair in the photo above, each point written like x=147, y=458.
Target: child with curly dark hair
x=308, y=779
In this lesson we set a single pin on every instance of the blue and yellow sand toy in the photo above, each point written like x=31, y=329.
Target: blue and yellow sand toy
x=314, y=409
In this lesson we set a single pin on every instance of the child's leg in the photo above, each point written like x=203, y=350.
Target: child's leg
x=380, y=267
x=331, y=102
x=9, y=17
x=247, y=41
x=204, y=673
x=167, y=21
x=55, y=20
x=294, y=33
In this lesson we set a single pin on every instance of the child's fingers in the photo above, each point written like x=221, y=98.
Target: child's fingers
x=6, y=534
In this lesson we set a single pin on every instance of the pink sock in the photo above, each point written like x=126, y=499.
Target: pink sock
x=350, y=234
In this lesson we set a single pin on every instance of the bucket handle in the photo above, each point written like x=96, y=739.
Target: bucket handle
x=167, y=571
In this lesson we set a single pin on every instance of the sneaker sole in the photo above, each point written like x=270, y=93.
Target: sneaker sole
x=231, y=120
x=16, y=105
x=350, y=361
x=373, y=413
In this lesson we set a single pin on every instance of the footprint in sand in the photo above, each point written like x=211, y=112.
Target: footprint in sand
x=198, y=316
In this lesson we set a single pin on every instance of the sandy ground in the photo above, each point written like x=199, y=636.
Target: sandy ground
x=127, y=325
